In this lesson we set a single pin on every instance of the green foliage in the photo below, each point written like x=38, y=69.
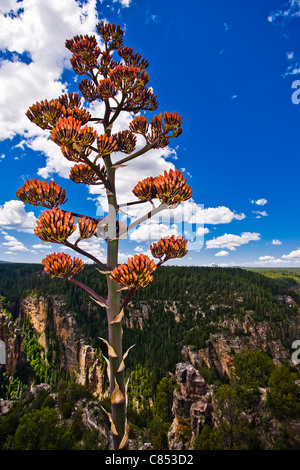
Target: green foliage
x=35, y=369
x=283, y=393
x=43, y=372
x=160, y=442
x=77, y=427
x=36, y=423
x=150, y=404
x=91, y=441
x=40, y=430
x=218, y=293
x=238, y=435
x=287, y=277
x=237, y=402
x=205, y=440
x=11, y=387
x=235, y=432
x=31, y=416
x=210, y=375
x=164, y=400
x=287, y=439
x=203, y=298
x=252, y=369
x=68, y=396
x=156, y=427
x=143, y=382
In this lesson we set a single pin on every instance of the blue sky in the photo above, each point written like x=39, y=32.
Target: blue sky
x=230, y=69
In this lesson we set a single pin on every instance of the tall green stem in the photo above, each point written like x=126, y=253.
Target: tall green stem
x=118, y=410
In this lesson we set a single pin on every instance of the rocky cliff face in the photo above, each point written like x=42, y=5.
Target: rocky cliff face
x=137, y=317
x=13, y=351
x=76, y=357
x=236, y=334
x=192, y=406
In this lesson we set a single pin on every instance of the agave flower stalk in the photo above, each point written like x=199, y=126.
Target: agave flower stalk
x=122, y=86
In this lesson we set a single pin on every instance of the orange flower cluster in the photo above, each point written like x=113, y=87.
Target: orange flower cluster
x=145, y=189
x=89, y=90
x=170, y=188
x=159, y=128
x=127, y=78
x=132, y=58
x=87, y=227
x=83, y=173
x=139, y=125
x=70, y=100
x=126, y=141
x=136, y=273
x=173, y=122
x=62, y=265
x=46, y=113
x=41, y=193
x=55, y=226
x=111, y=34
x=107, y=89
x=139, y=100
x=106, y=145
x=85, y=53
x=132, y=82
x=127, y=75
x=106, y=63
x=72, y=138
x=173, y=247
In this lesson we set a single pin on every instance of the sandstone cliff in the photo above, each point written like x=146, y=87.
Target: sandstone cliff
x=76, y=357
x=137, y=317
x=192, y=406
x=235, y=334
x=13, y=341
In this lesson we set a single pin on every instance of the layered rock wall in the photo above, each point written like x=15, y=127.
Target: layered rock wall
x=237, y=334
x=76, y=357
x=12, y=346
x=192, y=406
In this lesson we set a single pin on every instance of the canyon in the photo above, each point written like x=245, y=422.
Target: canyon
x=206, y=332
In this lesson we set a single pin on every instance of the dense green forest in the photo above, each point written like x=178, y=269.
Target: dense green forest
x=185, y=306
x=218, y=293
x=288, y=277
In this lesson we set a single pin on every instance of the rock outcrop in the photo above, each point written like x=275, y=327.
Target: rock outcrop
x=76, y=357
x=192, y=406
x=137, y=317
x=12, y=346
x=236, y=334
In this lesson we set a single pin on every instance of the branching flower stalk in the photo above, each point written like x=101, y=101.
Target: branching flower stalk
x=122, y=86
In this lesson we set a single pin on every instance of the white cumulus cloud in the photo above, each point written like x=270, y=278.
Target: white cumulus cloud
x=231, y=242
x=222, y=253
x=259, y=202
x=276, y=242
x=260, y=214
x=266, y=258
x=13, y=244
x=293, y=256
x=37, y=32
x=153, y=231
x=14, y=216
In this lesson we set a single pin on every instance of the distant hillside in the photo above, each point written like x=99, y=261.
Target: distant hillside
x=202, y=317
x=289, y=277
x=183, y=306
